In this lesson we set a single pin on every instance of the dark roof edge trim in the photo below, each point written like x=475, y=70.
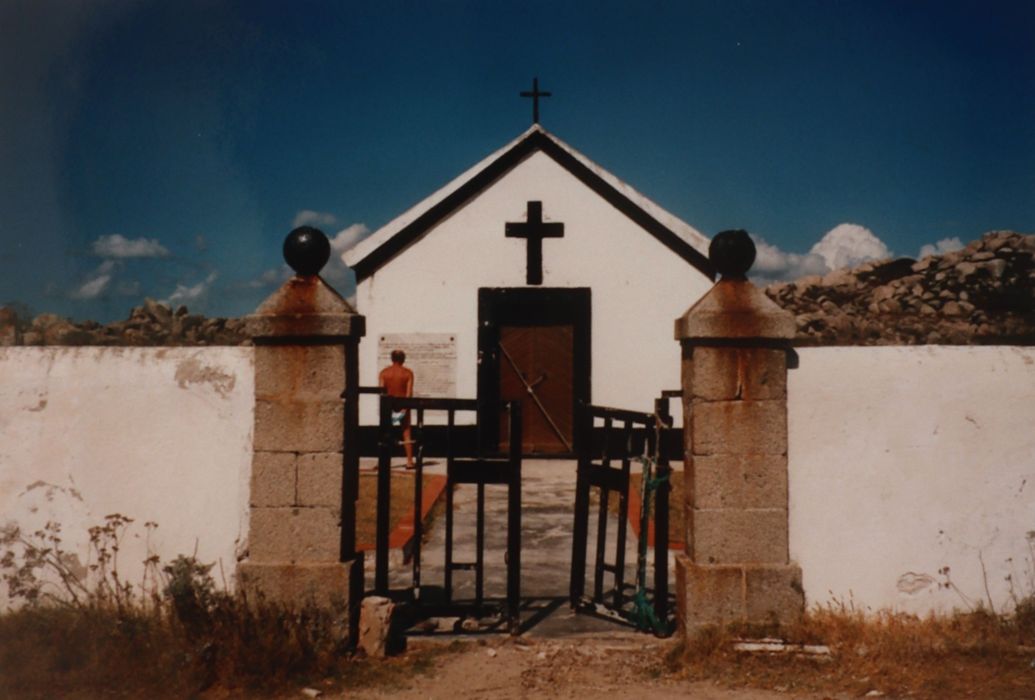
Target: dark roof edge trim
x=534, y=141
x=625, y=205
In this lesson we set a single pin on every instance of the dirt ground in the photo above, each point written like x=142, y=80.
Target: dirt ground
x=572, y=668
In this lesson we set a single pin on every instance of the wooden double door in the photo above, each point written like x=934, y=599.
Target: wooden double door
x=537, y=366
x=534, y=347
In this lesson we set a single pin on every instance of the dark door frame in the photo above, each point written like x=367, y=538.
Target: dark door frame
x=531, y=306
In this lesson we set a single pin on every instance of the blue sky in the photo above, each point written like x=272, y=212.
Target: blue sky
x=164, y=149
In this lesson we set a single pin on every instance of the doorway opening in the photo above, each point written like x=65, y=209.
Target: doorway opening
x=534, y=346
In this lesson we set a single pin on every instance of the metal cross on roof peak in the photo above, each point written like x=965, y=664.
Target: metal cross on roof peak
x=535, y=95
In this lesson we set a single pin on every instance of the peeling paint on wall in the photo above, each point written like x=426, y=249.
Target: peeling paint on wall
x=912, y=583
x=193, y=371
x=51, y=489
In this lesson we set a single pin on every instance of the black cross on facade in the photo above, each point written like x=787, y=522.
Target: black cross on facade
x=535, y=95
x=534, y=230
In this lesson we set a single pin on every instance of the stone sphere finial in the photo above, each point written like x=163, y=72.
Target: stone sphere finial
x=307, y=250
x=732, y=253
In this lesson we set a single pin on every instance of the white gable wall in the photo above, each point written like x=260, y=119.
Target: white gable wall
x=639, y=285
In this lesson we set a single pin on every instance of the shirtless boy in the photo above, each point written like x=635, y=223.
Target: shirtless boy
x=398, y=381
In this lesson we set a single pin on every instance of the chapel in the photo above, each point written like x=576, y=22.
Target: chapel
x=535, y=275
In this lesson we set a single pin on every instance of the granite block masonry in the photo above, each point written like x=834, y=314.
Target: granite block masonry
x=735, y=344
x=301, y=543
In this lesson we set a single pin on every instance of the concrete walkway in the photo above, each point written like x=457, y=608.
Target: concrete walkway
x=548, y=498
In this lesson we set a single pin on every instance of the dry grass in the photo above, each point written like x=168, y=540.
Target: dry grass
x=95, y=635
x=965, y=655
x=243, y=649
x=236, y=648
x=184, y=638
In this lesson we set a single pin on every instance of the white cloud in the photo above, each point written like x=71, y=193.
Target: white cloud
x=945, y=245
x=310, y=217
x=96, y=283
x=91, y=289
x=118, y=246
x=348, y=237
x=337, y=272
x=847, y=245
x=184, y=293
x=772, y=264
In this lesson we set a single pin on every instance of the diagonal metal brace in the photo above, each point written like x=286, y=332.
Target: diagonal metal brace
x=530, y=389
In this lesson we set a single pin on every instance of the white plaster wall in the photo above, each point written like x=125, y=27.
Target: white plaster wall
x=903, y=461
x=639, y=286
x=156, y=434
x=907, y=460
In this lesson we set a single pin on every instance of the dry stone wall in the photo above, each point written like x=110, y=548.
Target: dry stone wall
x=983, y=294
x=153, y=323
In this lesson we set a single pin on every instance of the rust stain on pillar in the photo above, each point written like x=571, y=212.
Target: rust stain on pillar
x=735, y=309
x=301, y=534
x=734, y=340
x=304, y=307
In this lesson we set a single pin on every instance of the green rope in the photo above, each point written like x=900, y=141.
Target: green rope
x=655, y=482
x=643, y=615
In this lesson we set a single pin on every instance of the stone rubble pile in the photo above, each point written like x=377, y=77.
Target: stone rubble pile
x=154, y=323
x=982, y=294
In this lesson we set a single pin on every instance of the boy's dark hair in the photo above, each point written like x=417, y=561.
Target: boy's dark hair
x=398, y=356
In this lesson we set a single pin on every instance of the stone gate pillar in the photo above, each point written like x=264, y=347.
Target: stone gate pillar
x=735, y=345
x=306, y=337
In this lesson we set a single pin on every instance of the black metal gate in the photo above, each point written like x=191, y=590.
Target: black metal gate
x=479, y=469
x=605, y=464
